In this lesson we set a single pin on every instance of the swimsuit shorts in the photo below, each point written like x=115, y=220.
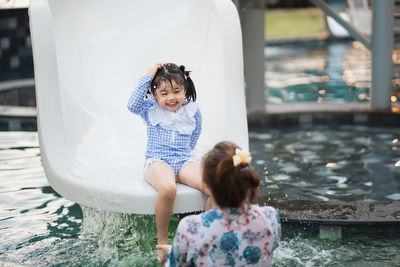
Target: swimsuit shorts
x=176, y=166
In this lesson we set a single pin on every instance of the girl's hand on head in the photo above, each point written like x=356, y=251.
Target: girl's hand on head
x=153, y=69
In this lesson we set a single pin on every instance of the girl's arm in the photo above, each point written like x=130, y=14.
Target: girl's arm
x=278, y=221
x=272, y=214
x=197, y=130
x=137, y=103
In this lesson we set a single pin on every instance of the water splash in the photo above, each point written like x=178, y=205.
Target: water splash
x=355, y=250
x=118, y=239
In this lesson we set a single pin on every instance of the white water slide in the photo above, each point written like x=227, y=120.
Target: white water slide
x=89, y=56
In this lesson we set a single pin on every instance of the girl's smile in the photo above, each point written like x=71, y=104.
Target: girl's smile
x=170, y=96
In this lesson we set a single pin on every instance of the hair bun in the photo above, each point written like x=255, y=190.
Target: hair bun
x=245, y=168
x=246, y=175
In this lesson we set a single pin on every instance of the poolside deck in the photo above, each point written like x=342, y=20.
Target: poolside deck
x=332, y=219
x=337, y=212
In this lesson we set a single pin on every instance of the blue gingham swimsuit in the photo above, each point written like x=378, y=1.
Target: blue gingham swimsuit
x=171, y=136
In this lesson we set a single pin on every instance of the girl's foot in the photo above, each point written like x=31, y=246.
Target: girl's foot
x=162, y=251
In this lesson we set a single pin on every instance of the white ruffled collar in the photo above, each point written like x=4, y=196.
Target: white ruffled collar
x=181, y=120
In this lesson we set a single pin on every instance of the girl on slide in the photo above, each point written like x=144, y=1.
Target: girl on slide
x=165, y=98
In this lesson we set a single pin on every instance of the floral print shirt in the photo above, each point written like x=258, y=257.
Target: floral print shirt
x=227, y=237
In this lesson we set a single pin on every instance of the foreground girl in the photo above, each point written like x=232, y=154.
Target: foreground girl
x=234, y=232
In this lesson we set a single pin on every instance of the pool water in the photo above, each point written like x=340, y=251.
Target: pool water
x=340, y=162
x=321, y=71
x=38, y=227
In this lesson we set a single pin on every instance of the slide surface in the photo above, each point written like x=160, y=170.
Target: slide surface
x=88, y=58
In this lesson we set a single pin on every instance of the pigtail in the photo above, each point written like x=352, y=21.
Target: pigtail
x=189, y=85
x=190, y=89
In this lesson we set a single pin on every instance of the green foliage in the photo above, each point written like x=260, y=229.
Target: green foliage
x=287, y=23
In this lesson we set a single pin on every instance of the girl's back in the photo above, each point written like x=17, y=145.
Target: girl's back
x=227, y=237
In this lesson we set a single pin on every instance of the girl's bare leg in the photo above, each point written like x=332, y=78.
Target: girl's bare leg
x=162, y=177
x=191, y=174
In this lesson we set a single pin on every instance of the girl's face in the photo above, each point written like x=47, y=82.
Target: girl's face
x=170, y=97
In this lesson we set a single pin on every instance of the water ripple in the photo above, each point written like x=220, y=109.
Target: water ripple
x=38, y=227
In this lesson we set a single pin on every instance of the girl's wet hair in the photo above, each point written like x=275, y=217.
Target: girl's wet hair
x=171, y=72
x=231, y=186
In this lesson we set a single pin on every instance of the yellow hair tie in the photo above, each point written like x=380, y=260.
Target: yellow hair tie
x=241, y=156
